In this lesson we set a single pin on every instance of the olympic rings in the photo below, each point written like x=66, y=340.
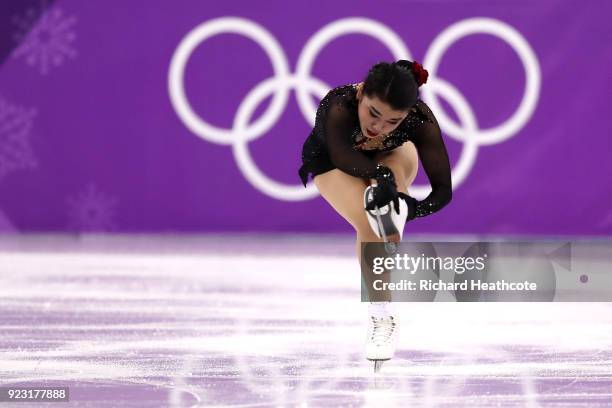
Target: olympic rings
x=279, y=86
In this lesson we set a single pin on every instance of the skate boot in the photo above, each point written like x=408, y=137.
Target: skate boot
x=380, y=344
x=385, y=221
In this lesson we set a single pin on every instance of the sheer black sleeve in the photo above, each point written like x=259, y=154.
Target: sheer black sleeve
x=434, y=158
x=339, y=124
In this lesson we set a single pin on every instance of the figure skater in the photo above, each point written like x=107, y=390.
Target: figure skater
x=363, y=156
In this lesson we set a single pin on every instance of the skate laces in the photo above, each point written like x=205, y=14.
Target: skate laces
x=382, y=329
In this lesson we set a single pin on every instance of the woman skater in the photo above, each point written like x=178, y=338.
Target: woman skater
x=373, y=133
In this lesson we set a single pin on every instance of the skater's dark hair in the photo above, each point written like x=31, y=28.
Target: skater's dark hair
x=396, y=83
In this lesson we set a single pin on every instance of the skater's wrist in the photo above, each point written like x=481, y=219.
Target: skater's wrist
x=411, y=202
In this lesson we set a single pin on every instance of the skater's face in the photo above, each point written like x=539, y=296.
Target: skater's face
x=377, y=118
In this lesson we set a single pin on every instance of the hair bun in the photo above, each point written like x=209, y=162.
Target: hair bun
x=420, y=73
x=404, y=64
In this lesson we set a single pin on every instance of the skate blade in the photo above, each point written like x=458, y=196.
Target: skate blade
x=378, y=363
x=378, y=359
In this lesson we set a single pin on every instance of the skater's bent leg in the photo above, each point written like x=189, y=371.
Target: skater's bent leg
x=404, y=163
x=345, y=195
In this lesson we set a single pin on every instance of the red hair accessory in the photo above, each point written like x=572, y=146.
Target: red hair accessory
x=420, y=73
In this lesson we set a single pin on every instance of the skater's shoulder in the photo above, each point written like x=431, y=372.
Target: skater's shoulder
x=340, y=101
x=343, y=94
x=419, y=119
x=346, y=90
x=422, y=110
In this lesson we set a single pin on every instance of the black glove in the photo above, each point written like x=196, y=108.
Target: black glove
x=411, y=203
x=385, y=190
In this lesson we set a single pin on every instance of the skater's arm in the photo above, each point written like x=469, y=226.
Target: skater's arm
x=339, y=124
x=433, y=156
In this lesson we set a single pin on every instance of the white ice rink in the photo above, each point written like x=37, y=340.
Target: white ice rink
x=247, y=321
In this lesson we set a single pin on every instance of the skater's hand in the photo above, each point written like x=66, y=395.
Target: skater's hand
x=385, y=190
x=411, y=203
x=383, y=195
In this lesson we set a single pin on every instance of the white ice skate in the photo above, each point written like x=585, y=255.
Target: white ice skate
x=380, y=344
x=385, y=221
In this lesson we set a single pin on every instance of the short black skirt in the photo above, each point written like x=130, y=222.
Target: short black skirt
x=315, y=166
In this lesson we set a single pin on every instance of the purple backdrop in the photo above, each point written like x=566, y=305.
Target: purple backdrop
x=92, y=140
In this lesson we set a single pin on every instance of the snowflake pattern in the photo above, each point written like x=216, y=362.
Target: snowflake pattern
x=45, y=36
x=92, y=211
x=15, y=150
